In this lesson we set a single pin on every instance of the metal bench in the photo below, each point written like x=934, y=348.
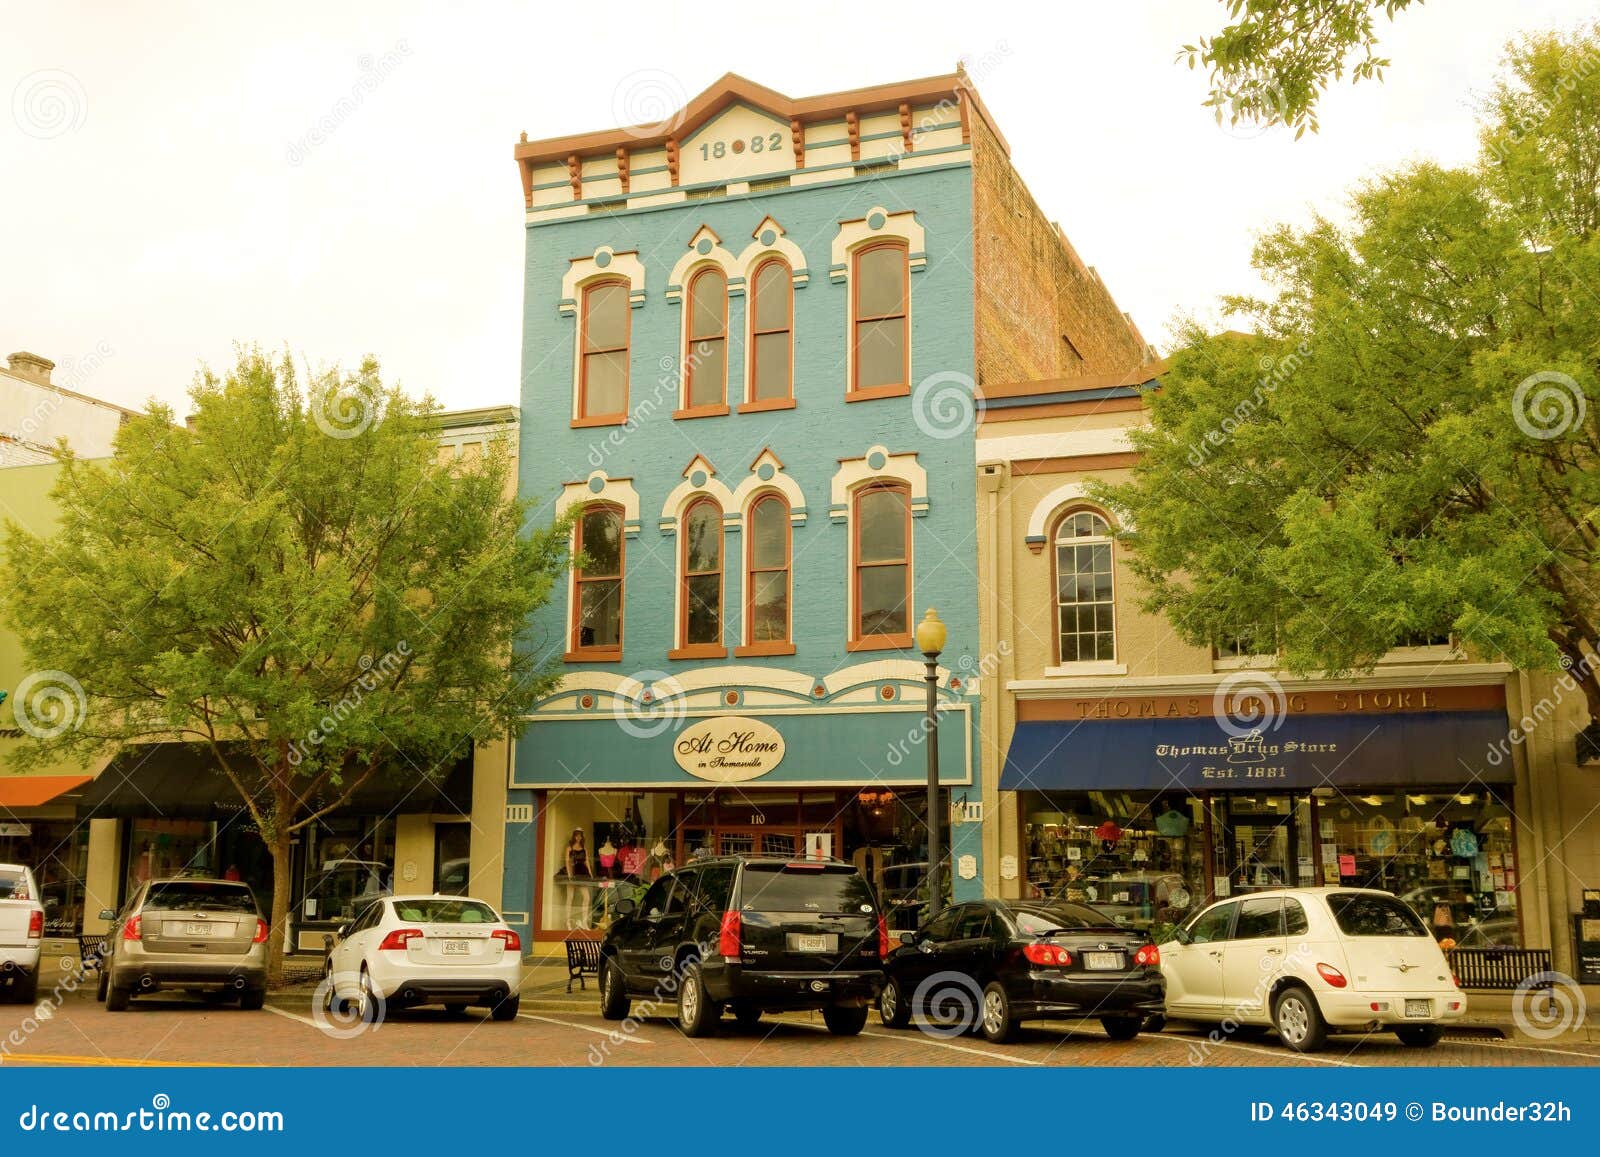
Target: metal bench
x=90, y=947
x=583, y=957
x=1501, y=968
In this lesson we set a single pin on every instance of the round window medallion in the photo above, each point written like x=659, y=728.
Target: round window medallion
x=888, y=692
x=765, y=472
x=819, y=690
x=586, y=702
x=876, y=221
x=732, y=698
x=703, y=246
x=955, y=684
x=768, y=237
x=877, y=460
x=698, y=478
x=602, y=259
x=596, y=485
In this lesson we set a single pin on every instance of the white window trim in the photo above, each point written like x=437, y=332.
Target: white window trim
x=856, y=235
x=705, y=250
x=605, y=264
x=1109, y=666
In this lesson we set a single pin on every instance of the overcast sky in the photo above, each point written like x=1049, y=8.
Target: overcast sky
x=162, y=195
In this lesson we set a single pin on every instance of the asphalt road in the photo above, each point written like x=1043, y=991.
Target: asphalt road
x=290, y=1031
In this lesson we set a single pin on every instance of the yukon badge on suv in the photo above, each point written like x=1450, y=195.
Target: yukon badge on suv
x=750, y=935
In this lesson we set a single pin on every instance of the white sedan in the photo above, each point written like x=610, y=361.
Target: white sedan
x=402, y=951
x=1307, y=961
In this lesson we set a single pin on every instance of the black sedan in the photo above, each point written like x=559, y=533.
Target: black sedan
x=988, y=965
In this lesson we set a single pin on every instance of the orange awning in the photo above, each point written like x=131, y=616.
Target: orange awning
x=34, y=790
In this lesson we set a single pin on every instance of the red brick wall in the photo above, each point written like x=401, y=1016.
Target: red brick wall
x=1040, y=312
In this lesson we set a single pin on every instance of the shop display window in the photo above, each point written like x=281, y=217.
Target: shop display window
x=1137, y=857
x=1450, y=856
x=57, y=851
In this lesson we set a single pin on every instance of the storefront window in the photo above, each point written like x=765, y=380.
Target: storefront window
x=1449, y=856
x=58, y=853
x=159, y=849
x=349, y=862
x=1136, y=857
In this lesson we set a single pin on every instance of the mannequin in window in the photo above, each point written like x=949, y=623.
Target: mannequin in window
x=577, y=873
x=608, y=857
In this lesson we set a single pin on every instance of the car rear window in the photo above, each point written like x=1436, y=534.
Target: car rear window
x=445, y=911
x=178, y=894
x=13, y=885
x=804, y=888
x=1058, y=918
x=1363, y=914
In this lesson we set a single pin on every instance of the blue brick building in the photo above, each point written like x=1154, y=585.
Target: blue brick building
x=750, y=349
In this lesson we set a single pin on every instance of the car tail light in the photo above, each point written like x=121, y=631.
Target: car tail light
x=883, y=938
x=261, y=932
x=728, y=936
x=1332, y=975
x=1047, y=954
x=397, y=940
x=509, y=940
x=35, y=925
x=132, y=930
x=1148, y=957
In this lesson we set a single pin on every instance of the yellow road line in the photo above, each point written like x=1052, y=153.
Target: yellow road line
x=109, y=1062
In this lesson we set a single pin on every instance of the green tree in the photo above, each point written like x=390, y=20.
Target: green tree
x=1407, y=445
x=1273, y=63
x=295, y=584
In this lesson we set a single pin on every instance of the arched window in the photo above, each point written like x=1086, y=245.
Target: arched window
x=597, y=597
x=701, y=563
x=1086, y=619
x=880, y=288
x=706, y=351
x=772, y=332
x=767, y=589
x=603, y=346
x=882, y=565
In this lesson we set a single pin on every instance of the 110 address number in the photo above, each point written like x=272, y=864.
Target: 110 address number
x=764, y=143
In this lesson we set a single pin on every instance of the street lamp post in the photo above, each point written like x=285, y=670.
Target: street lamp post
x=930, y=641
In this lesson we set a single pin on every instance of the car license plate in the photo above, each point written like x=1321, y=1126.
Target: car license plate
x=1102, y=961
x=197, y=930
x=456, y=948
x=803, y=942
x=1419, y=1008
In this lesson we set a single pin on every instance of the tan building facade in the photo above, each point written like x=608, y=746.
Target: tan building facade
x=1129, y=769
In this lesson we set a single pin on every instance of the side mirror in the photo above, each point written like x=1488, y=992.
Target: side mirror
x=910, y=937
x=344, y=930
x=626, y=906
x=108, y=915
x=1181, y=935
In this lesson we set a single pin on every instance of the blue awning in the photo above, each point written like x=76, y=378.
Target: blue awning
x=1453, y=748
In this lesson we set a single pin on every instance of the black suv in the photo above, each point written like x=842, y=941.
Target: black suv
x=750, y=934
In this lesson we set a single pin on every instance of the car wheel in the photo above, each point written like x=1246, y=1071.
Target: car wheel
x=100, y=993
x=1121, y=1027
x=117, y=997
x=996, y=1020
x=746, y=1015
x=26, y=989
x=367, y=1002
x=251, y=999
x=1155, y=1022
x=507, y=1008
x=614, y=1002
x=1419, y=1036
x=1299, y=1020
x=893, y=1007
x=845, y=1020
x=697, y=1016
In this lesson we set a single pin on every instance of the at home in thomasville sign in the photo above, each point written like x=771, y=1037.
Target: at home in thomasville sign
x=728, y=749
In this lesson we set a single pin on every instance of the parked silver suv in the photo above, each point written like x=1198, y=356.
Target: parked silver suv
x=198, y=935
